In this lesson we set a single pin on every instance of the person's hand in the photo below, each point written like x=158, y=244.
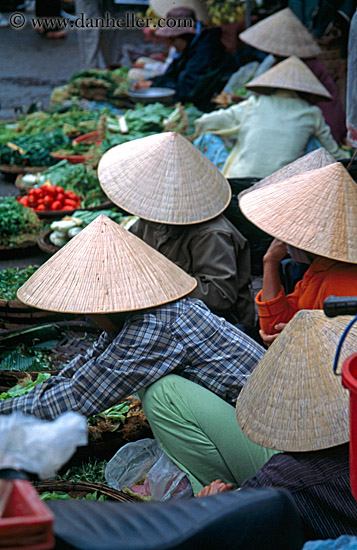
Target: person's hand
x=142, y=84
x=268, y=339
x=276, y=251
x=214, y=488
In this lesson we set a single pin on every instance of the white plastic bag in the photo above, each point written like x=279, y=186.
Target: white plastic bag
x=145, y=459
x=40, y=446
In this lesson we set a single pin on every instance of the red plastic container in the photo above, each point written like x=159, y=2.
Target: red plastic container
x=26, y=522
x=349, y=381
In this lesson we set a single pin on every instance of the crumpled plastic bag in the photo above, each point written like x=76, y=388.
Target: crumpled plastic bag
x=40, y=446
x=144, y=461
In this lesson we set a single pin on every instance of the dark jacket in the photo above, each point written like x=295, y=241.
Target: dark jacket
x=319, y=482
x=216, y=254
x=197, y=74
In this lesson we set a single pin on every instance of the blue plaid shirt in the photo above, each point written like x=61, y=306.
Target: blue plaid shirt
x=182, y=337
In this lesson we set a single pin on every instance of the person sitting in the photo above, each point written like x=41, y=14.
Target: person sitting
x=292, y=405
x=316, y=225
x=179, y=197
x=282, y=35
x=202, y=62
x=137, y=296
x=272, y=130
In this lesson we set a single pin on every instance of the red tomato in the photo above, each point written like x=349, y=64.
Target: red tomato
x=23, y=200
x=56, y=205
x=32, y=200
x=51, y=190
x=31, y=191
x=40, y=201
x=59, y=189
x=41, y=207
x=37, y=192
x=69, y=202
x=48, y=200
x=67, y=207
x=60, y=197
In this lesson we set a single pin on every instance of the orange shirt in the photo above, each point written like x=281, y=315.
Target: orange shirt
x=324, y=278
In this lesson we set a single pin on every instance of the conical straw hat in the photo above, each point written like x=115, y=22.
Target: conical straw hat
x=292, y=401
x=164, y=178
x=105, y=269
x=311, y=161
x=282, y=34
x=290, y=74
x=315, y=211
x=163, y=7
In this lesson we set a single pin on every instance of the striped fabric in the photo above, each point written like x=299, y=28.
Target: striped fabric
x=320, y=485
x=183, y=337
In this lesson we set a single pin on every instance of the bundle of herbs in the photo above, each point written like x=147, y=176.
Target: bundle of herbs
x=18, y=224
x=12, y=278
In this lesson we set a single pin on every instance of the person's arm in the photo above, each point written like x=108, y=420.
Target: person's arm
x=224, y=122
x=214, y=266
x=138, y=356
x=323, y=133
x=97, y=348
x=274, y=307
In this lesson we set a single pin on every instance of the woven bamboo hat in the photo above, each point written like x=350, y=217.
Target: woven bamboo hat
x=164, y=178
x=315, y=211
x=281, y=34
x=105, y=269
x=163, y=7
x=292, y=401
x=290, y=74
x=311, y=161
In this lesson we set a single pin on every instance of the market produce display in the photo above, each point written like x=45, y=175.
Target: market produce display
x=12, y=278
x=19, y=225
x=96, y=85
x=50, y=197
x=24, y=387
x=31, y=140
x=81, y=179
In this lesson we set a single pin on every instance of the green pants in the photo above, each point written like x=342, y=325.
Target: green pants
x=199, y=432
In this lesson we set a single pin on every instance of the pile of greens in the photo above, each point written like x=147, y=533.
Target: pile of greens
x=24, y=388
x=96, y=85
x=32, y=139
x=18, y=224
x=12, y=278
x=90, y=472
x=59, y=495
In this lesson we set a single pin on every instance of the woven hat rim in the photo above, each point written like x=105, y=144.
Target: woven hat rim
x=146, y=218
x=266, y=89
x=313, y=49
x=276, y=75
x=304, y=428
x=82, y=279
x=193, y=208
x=280, y=235
x=112, y=311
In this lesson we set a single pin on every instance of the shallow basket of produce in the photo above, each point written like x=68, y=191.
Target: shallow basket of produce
x=19, y=228
x=66, y=490
x=107, y=433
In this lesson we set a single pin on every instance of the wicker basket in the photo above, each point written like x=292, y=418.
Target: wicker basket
x=16, y=313
x=45, y=244
x=76, y=489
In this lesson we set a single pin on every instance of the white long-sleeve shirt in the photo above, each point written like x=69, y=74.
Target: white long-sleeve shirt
x=272, y=131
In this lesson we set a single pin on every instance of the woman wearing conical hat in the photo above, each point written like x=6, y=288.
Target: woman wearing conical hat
x=180, y=197
x=273, y=127
x=313, y=218
x=292, y=405
x=282, y=35
x=151, y=328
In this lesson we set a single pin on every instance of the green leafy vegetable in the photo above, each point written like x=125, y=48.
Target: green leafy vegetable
x=18, y=223
x=23, y=389
x=12, y=278
x=90, y=472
